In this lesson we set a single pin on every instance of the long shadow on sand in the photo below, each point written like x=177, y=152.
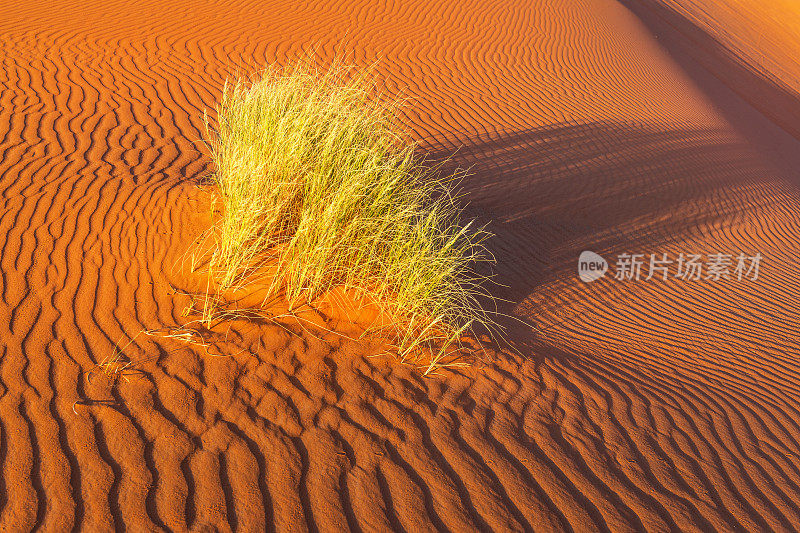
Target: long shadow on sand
x=549, y=193
x=692, y=46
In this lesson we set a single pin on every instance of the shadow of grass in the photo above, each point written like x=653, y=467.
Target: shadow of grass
x=549, y=193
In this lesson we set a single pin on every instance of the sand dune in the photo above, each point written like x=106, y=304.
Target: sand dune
x=613, y=126
x=750, y=46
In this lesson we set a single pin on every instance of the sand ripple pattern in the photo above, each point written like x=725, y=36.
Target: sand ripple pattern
x=629, y=407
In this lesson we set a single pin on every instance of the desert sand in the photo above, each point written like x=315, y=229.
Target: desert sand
x=617, y=126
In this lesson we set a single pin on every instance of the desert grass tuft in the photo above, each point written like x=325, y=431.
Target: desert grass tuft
x=321, y=190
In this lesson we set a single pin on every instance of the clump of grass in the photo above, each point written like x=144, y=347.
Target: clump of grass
x=321, y=189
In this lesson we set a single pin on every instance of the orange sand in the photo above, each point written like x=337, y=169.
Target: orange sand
x=608, y=125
